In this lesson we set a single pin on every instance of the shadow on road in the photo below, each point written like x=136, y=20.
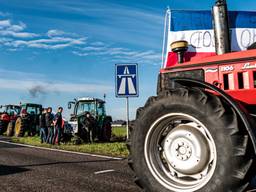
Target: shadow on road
x=67, y=162
x=8, y=146
x=8, y=170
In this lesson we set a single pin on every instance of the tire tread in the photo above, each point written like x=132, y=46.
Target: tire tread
x=217, y=106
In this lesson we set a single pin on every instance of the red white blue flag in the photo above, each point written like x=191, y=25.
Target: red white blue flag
x=196, y=28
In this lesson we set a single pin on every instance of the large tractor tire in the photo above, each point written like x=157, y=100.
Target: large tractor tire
x=188, y=140
x=10, y=129
x=20, y=127
x=107, y=128
x=3, y=127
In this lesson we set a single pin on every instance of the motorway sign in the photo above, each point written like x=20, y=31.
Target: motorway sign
x=127, y=80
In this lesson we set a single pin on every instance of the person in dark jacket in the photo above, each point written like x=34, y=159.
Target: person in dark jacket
x=32, y=124
x=58, y=122
x=88, y=125
x=42, y=125
x=49, y=124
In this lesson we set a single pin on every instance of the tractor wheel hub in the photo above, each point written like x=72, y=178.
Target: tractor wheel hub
x=186, y=149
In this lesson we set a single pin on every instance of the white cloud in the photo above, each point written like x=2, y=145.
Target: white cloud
x=51, y=43
x=97, y=43
x=20, y=27
x=91, y=48
x=87, y=88
x=17, y=34
x=5, y=40
x=14, y=30
x=25, y=85
x=80, y=54
x=20, y=75
x=55, y=32
x=5, y=23
x=15, y=38
x=119, y=54
x=24, y=81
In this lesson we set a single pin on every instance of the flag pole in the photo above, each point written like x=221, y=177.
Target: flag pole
x=165, y=36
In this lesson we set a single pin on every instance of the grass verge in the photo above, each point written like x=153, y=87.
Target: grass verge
x=119, y=131
x=116, y=149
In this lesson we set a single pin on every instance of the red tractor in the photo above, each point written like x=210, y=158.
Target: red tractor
x=8, y=115
x=198, y=133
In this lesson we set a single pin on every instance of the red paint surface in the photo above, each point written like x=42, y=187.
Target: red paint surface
x=225, y=64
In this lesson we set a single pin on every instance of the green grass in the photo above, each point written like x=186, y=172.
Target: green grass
x=117, y=149
x=119, y=131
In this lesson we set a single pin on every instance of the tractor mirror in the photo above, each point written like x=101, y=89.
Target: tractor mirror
x=69, y=105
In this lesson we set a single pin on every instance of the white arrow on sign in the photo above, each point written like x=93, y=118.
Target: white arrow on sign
x=126, y=77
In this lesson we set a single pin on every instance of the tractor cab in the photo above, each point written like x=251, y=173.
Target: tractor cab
x=31, y=109
x=9, y=111
x=96, y=107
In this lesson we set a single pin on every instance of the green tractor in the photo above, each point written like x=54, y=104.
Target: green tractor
x=101, y=130
x=27, y=120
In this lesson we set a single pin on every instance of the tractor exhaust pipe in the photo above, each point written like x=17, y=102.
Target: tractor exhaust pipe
x=221, y=27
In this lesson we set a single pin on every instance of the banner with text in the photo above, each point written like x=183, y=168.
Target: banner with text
x=196, y=28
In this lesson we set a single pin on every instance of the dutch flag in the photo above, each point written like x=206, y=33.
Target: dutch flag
x=196, y=28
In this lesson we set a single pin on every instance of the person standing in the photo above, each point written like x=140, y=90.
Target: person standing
x=90, y=124
x=58, y=122
x=32, y=124
x=42, y=125
x=49, y=124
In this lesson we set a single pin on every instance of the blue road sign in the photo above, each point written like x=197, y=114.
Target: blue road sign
x=127, y=80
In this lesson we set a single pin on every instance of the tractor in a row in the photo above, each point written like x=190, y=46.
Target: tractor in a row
x=100, y=122
x=9, y=113
x=26, y=119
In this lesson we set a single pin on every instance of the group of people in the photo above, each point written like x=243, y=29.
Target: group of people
x=51, y=126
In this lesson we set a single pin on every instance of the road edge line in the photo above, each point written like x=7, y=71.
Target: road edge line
x=104, y=171
x=62, y=151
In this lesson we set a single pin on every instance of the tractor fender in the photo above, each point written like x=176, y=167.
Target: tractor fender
x=241, y=112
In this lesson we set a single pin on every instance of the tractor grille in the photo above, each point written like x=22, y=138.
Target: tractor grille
x=239, y=80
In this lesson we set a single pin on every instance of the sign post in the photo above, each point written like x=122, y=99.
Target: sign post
x=127, y=117
x=127, y=85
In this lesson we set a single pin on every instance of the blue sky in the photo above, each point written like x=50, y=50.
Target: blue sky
x=54, y=51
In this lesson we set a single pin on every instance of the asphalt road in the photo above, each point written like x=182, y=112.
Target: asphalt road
x=24, y=169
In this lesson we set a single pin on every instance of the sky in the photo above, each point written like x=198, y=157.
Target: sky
x=52, y=51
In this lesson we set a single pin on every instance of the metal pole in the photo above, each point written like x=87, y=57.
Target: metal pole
x=221, y=27
x=127, y=113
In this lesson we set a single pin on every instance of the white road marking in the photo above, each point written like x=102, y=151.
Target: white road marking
x=62, y=151
x=104, y=171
